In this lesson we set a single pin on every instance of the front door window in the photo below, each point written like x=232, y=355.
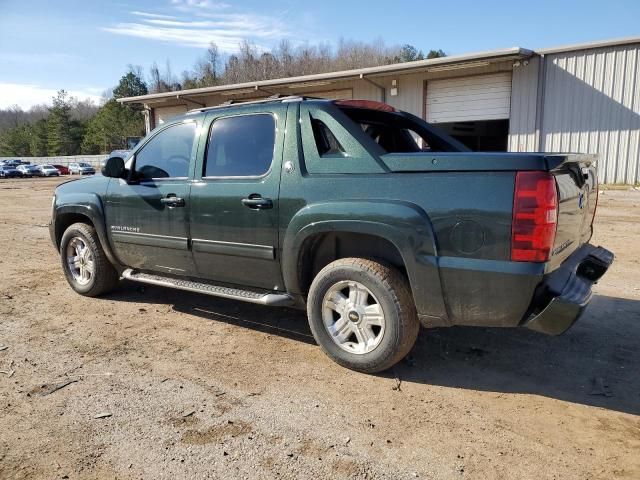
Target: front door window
x=168, y=154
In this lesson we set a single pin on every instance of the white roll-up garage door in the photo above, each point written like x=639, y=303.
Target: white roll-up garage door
x=466, y=99
x=162, y=114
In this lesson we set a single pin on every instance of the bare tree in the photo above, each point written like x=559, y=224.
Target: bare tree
x=250, y=64
x=162, y=80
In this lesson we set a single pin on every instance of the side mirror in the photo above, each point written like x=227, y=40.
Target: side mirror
x=114, y=168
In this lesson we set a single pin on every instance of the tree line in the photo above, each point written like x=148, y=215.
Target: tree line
x=250, y=64
x=71, y=127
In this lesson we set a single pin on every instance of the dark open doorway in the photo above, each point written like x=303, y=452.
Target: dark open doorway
x=481, y=135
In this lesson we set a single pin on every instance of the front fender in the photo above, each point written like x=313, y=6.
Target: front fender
x=88, y=205
x=405, y=225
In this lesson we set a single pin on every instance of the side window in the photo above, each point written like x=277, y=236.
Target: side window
x=326, y=142
x=240, y=146
x=168, y=154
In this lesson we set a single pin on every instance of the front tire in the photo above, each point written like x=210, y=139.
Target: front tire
x=84, y=262
x=361, y=313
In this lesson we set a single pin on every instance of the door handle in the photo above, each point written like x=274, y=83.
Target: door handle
x=256, y=202
x=172, y=201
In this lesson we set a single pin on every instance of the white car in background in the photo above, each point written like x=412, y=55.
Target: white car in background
x=47, y=170
x=81, y=168
x=28, y=170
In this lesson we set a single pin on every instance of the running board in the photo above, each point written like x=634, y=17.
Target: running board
x=263, y=298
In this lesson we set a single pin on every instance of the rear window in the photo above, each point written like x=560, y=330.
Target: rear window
x=240, y=146
x=397, y=132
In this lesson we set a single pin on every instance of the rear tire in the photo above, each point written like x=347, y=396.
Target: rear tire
x=361, y=313
x=84, y=262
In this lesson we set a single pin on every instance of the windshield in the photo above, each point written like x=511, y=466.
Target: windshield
x=401, y=132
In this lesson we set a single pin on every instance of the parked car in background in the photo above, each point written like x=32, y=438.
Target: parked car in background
x=10, y=163
x=28, y=170
x=81, y=168
x=62, y=169
x=9, y=172
x=47, y=170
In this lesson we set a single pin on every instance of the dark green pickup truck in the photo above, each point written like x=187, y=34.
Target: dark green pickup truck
x=368, y=217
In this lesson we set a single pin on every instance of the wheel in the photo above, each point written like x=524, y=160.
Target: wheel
x=84, y=262
x=361, y=313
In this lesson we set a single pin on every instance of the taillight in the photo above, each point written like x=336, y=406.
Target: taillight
x=535, y=215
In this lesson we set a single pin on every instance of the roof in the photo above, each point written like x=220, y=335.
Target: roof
x=454, y=61
x=589, y=45
x=471, y=59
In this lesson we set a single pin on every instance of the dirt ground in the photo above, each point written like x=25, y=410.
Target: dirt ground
x=167, y=384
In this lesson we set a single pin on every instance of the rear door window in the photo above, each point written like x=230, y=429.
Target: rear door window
x=240, y=146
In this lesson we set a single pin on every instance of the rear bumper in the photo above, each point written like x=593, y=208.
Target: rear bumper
x=564, y=294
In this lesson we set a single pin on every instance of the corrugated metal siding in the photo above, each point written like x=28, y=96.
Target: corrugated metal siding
x=344, y=94
x=523, y=136
x=592, y=105
x=482, y=97
x=410, y=96
x=162, y=114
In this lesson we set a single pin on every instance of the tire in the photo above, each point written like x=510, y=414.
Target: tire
x=356, y=341
x=103, y=276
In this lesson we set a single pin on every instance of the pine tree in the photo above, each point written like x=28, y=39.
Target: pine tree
x=38, y=141
x=130, y=85
x=59, y=138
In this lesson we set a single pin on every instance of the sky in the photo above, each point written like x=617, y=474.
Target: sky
x=84, y=46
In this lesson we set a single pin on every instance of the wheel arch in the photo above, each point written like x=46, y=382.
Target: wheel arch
x=90, y=213
x=403, y=228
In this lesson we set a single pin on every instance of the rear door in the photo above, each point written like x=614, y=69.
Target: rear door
x=147, y=215
x=234, y=199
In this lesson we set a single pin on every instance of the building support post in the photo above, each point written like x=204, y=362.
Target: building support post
x=149, y=123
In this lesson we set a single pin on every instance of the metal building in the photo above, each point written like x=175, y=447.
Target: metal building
x=578, y=98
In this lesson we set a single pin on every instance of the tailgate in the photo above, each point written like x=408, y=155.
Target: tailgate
x=577, y=183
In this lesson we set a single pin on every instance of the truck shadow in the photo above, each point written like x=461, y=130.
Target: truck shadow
x=596, y=363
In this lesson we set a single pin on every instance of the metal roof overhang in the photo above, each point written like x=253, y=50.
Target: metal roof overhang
x=454, y=62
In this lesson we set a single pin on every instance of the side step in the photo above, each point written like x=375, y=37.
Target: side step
x=252, y=296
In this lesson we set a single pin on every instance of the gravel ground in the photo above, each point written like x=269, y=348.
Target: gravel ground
x=154, y=383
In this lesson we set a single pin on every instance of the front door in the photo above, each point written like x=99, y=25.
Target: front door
x=234, y=198
x=147, y=214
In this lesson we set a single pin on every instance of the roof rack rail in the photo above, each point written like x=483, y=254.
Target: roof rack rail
x=271, y=99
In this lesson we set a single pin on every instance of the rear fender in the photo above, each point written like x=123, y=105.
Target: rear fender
x=405, y=225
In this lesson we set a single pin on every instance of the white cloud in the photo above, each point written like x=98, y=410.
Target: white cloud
x=150, y=15
x=28, y=95
x=187, y=5
x=200, y=22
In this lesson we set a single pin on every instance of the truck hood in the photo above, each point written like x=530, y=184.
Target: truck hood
x=94, y=184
